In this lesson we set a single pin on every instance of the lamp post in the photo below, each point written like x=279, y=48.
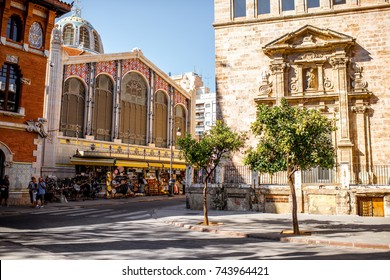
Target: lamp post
x=171, y=180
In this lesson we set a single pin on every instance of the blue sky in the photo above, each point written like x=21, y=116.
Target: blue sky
x=176, y=35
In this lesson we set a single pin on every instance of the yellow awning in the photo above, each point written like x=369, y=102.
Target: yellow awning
x=156, y=164
x=178, y=166
x=129, y=163
x=92, y=161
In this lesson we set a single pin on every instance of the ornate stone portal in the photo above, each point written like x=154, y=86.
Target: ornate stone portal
x=315, y=68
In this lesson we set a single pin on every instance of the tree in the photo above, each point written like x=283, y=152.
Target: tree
x=291, y=139
x=208, y=152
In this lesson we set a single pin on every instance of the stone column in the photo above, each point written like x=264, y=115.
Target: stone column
x=90, y=98
x=151, y=109
x=344, y=145
x=320, y=78
x=117, y=99
x=362, y=146
x=344, y=175
x=54, y=95
x=278, y=67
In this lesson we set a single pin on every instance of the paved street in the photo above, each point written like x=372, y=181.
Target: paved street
x=127, y=229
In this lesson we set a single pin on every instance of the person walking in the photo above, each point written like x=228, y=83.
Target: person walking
x=32, y=191
x=4, y=191
x=41, y=193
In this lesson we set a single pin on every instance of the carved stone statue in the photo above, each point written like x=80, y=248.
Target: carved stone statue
x=311, y=77
x=37, y=127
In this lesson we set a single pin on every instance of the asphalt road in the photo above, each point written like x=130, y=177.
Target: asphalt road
x=130, y=231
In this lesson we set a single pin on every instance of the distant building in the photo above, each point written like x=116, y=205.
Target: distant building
x=205, y=113
x=25, y=31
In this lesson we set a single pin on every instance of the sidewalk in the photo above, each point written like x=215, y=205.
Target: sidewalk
x=350, y=231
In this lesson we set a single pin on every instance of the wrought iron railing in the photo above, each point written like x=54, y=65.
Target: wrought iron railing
x=278, y=178
x=200, y=176
x=362, y=174
x=236, y=174
x=320, y=175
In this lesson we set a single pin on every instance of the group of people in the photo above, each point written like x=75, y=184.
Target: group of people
x=37, y=191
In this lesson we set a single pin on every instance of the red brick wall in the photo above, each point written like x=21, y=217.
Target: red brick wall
x=32, y=66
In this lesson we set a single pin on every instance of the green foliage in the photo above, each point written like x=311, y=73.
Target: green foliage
x=212, y=148
x=291, y=138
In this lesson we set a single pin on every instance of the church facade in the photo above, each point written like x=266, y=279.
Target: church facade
x=328, y=55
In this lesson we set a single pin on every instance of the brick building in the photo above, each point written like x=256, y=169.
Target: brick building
x=25, y=31
x=330, y=55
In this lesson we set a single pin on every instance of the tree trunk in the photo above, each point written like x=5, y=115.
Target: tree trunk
x=294, y=204
x=205, y=214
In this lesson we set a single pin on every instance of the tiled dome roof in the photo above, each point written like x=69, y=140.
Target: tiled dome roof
x=79, y=33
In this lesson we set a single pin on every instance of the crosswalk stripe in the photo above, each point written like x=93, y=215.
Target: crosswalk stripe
x=128, y=214
x=77, y=210
x=92, y=211
x=51, y=211
x=138, y=217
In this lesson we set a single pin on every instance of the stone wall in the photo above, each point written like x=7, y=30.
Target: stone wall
x=240, y=62
x=323, y=200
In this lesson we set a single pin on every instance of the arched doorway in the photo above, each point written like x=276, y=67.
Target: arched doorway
x=2, y=163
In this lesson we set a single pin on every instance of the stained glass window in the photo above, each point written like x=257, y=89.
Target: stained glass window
x=35, y=36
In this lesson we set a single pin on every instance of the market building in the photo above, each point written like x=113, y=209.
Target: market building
x=333, y=56
x=25, y=31
x=111, y=112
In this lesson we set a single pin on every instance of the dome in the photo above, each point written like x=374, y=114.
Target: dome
x=79, y=33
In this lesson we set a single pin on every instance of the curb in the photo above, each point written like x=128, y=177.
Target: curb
x=278, y=237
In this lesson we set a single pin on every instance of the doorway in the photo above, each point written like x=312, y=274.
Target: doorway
x=371, y=206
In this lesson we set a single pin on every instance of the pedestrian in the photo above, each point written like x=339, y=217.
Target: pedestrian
x=32, y=191
x=41, y=193
x=4, y=190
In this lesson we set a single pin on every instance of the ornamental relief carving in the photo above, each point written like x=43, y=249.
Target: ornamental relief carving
x=358, y=84
x=308, y=78
x=312, y=61
x=265, y=88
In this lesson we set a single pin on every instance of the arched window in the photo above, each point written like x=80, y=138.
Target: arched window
x=102, y=112
x=180, y=121
x=14, y=28
x=9, y=88
x=160, y=119
x=72, y=108
x=96, y=41
x=133, y=109
x=68, y=35
x=35, y=36
x=84, y=37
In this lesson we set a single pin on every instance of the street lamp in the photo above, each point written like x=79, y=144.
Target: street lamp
x=171, y=180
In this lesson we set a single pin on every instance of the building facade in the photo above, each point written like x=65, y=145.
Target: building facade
x=109, y=111
x=25, y=31
x=205, y=114
x=331, y=55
